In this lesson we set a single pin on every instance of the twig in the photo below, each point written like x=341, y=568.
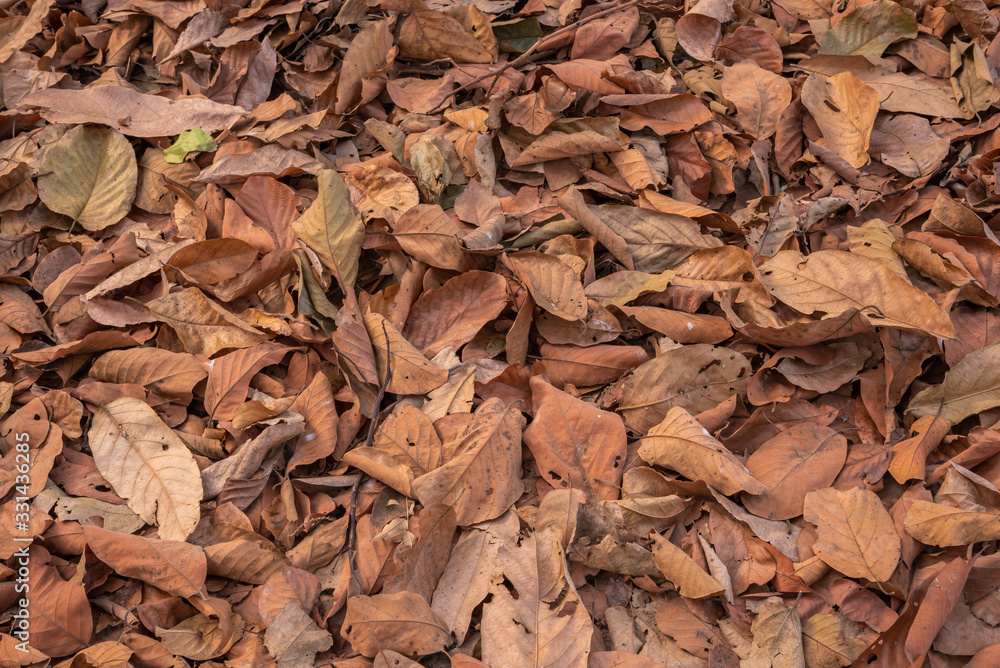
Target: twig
x=352, y=527
x=524, y=57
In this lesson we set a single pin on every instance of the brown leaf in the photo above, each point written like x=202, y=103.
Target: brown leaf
x=695, y=378
x=176, y=567
x=691, y=581
x=575, y=444
x=760, y=97
x=844, y=109
x=552, y=283
x=130, y=112
x=148, y=464
x=230, y=376
x=60, y=618
x=800, y=459
x=482, y=480
x=681, y=444
x=546, y=624
x=202, y=325
x=431, y=35
x=454, y=313
x=856, y=534
x=401, y=622
x=829, y=281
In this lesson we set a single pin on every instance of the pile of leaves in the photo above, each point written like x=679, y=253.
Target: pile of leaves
x=500, y=332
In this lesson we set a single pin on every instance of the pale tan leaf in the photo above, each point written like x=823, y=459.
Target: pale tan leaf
x=553, y=284
x=835, y=281
x=547, y=624
x=760, y=97
x=777, y=638
x=696, y=378
x=332, y=227
x=972, y=386
x=401, y=622
x=147, y=464
x=484, y=478
x=946, y=526
x=294, y=639
x=412, y=373
x=473, y=568
x=203, y=326
x=132, y=113
x=689, y=578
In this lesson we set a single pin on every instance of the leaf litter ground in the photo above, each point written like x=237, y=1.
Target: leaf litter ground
x=501, y=332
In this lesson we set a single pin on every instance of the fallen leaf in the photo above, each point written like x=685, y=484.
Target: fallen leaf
x=844, y=109
x=681, y=444
x=147, y=464
x=89, y=175
x=829, y=281
x=575, y=444
x=760, y=97
x=856, y=534
x=401, y=622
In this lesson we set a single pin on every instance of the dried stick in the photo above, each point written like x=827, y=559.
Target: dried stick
x=352, y=527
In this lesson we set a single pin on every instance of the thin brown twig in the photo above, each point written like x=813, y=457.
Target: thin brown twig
x=524, y=57
x=352, y=527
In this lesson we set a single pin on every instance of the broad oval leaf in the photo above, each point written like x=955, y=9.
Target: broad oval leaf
x=483, y=479
x=760, y=97
x=856, y=533
x=576, y=444
x=553, y=284
x=696, y=378
x=89, y=175
x=332, y=227
x=800, y=459
x=402, y=622
x=969, y=388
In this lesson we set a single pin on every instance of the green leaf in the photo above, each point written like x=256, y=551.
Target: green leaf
x=868, y=30
x=189, y=141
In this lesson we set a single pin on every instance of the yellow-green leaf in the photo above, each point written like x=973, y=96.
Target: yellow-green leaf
x=89, y=175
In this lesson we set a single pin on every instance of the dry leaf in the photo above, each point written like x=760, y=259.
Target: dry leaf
x=856, y=534
x=844, y=109
x=147, y=464
x=89, y=175
x=680, y=443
